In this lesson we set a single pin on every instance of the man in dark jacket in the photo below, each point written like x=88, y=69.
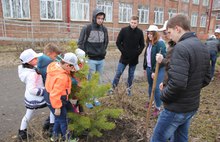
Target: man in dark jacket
x=189, y=72
x=212, y=44
x=94, y=41
x=130, y=42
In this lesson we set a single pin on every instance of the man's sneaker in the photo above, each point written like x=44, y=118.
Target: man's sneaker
x=156, y=112
x=54, y=138
x=110, y=91
x=96, y=102
x=128, y=91
x=89, y=105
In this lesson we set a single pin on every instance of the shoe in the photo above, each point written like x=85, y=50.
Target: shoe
x=96, y=102
x=50, y=130
x=89, y=105
x=128, y=91
x=22, y=134
x=110, y=91
x=156, y=112
x=54, y=138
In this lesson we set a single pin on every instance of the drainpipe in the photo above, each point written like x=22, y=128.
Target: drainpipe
x=210, y=15
x=68, y=15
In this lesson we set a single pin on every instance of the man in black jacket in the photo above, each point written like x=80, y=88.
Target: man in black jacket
x=130, y=42
x=94, y=41
x=189, y=72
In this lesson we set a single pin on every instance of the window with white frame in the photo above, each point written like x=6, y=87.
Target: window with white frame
x=195, y=2
x=194, y=18
x=203, y=20
x=171, y=12
x=79, y=10
x=107, y=7
x=143, y=14
x=51, y=9
x=158, y=16
x=185, y=1
x=125, y=12
x=205, y=2
x=19, y=9
x=218, y=16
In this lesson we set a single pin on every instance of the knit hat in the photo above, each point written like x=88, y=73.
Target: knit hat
x=80, y=54
x=28, y=55
x=152, y=28
x=71, y=59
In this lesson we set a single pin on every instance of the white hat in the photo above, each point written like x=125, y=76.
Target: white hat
x=212, y=36
x=164, y=26
x=28, y=55
x=71, y=59
x=152, y=28
x=217, y=30
x=80, y=54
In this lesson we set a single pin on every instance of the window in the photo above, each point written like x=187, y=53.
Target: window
x=185, y=1
x=79, y=10
x=143, y=14
x=125, y=12
x=205, y=3
x=203, y=20
x=19, y=9
x=218, y=16
x=171, y=12
x=106, y=6
x=194, y=19
x=195, y=2
x=51, y=9
x=217, y=26
x=158, y=16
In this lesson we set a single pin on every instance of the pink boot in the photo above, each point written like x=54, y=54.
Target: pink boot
x=156, y=112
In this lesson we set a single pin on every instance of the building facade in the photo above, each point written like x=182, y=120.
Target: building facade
x=36, y=20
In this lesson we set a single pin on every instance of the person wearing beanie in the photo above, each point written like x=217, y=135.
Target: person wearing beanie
x=33, y=97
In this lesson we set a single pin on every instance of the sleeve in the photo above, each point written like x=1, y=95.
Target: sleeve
x=208, y=77
x=119, y=41
x=178, y=75
x=106, y=38
x=31, y=84
x=56, y=93
x=141, y=43
x=82, y=39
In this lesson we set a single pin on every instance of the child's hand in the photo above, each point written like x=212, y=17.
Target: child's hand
x=57, y=111
x=161, y=86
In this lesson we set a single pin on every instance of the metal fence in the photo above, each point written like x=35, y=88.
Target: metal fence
x=14, y=30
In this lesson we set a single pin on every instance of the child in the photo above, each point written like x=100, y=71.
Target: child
x=50, y=53
x=34, y=88
x=58, y=85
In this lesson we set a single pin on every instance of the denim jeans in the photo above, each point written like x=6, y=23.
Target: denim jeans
x=120, y=69
x=60, y=124
x=172, y=125
x=213, y=58
x=96, y=66
x=157, y=92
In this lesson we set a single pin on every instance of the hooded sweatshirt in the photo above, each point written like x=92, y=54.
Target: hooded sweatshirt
x=34, y=87
x=94, y=38
x=58, y=84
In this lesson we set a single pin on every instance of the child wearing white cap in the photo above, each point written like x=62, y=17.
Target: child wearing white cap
x=58, y=85
x=33, y=98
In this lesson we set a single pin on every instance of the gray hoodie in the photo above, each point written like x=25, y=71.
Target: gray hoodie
x=94, y=38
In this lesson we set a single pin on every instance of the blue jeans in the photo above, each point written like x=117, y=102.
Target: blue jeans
x=213, y=58
x=120, y=70
x=60, y=124
x=95, y=66
x=172, y=125
x=157, y=92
